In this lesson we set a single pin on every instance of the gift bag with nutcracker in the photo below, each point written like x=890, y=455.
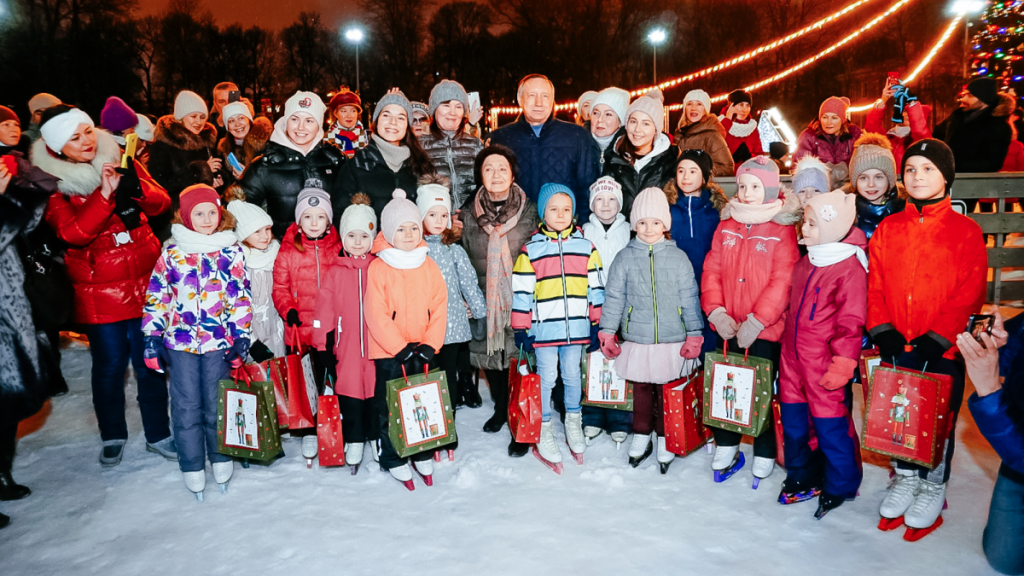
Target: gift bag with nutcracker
x=420, y=416
x=524, y=411
x=247, y=419
x=908, y=415
x=737, y=392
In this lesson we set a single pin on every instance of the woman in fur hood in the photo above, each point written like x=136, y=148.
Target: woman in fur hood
x=246, y=137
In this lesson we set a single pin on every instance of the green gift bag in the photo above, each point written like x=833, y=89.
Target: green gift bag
x=247, y=419
x=737, y=392
x=420, y=415
x=602, y=387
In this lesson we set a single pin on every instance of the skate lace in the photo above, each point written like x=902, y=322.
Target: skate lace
x=905, y=487
x=639, y=444
x=927, y=497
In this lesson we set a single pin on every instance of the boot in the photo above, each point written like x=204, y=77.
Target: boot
x=494, y=423
x=354, y=453
x=426, y=470
x=11, y=490
x=517, y=449
x=196, y=482
x=574, y=435
x=165, y=448
x=591, y=432
x=727, y=461
x=794, y=491
x=618, y=438
x=665, y=458
x=499, y=392
x=902, y=494
x=546, y=450
x=4, y=521
x=403, y=474
x=927, y=505
x=222, y=472
x=826, y=503
x=469, y=389
x=640, y=449
x=310, y=448
x=112, y=452
x=763, y=468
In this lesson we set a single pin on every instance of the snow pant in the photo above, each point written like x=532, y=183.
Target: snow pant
x=465, y=372
x=548, y=360
x=764, y=445
x=358, y=419
x=497, y=380
x=1004, y=548
x=447, y=359
x=58, y=385
x=195, y=382
x=608, y=419
x=389, y=369
x=8, y=440
x=648, y=409
x=911, y=361
x=112, y=346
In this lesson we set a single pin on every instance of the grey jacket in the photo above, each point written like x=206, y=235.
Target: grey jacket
x=652, y=295
x=453, y=157
x=462, y=286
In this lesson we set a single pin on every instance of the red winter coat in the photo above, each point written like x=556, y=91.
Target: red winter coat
x=339, y=309
x=917, y=117
x=298, y=277
x=109, y=265
x=739, y=133
x=749, y=270
x=827, y=311
x=1014, y=158
x=928, y=273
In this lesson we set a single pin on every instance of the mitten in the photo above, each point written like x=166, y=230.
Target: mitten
x=749, y=331
x=595, y=344
x=260, y=352
x=405, y=354
x=609, y=345
x=524, y=340
x=292, y=318
x=723, y=323
x=237, y=353
x=155, y=354
x=691, y=348
x=890, y=344
x=839, y=373
x=425, y=352
x=129, y=185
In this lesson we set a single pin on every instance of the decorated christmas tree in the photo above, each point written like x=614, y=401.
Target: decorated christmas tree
x=998, y=44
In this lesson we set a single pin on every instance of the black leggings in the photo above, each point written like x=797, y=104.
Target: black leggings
x=764, y=445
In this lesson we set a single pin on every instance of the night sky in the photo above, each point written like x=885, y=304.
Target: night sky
x=273, y=14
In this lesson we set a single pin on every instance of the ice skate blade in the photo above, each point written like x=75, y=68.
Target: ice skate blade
x=889, y=524
x=915, y=534
x=245, y=464
x=723, y=475
x=556, y=467
x=437, y=456
x=636, y=461
x=309, y=462
x=428, y=479
x=451, y=455
x=663, y=466
x=578, y=457
x=408, y=485
x=821, y=512
x=224, y=488
x=355, y=469
x=709, y=448
x=617, y=446
x=755, y=483
x=199, y=496
x=798, y=497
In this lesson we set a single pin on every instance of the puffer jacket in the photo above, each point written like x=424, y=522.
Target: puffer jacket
x=108, y=264
x=652, y=295
x=453, y=156
x=694, y=221
x=367, y=172
x=707, y=135
x=828, y=149
x=608, y=242
x=931, y=290
x=298, y=276
x=979, y=139
x=916, y=115
x=557, y=288
x=653, y=170
x=461, y=281
x=743, y=139
x=276, y=178
x=750, y=268
x=339, y=309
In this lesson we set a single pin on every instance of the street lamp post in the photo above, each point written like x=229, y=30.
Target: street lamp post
x=965, y=8
x=355, y=36
x=656, y=36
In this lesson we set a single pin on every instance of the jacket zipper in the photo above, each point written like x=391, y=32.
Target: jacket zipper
x=456, y=193
x=814, y=304
x=796, y=328
x=316, y=248
x=362, y=349
x=565, y=289
x=654, y=291
x=629, y=314
x=689, y=210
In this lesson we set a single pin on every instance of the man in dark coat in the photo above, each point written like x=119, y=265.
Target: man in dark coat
x=978, y=132
x=548, y=149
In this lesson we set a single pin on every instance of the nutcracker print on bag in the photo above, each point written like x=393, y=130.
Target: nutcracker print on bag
x=900, y=414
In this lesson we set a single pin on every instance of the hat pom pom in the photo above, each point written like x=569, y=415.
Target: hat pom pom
x=656, y=94
x=398, y=194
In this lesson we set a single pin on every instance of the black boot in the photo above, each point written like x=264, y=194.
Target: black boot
x=4, y=521
x=494, y=423
x=517, y=449
x=826, y=503
x=499, y=393
x=10, y=490
x=469, y=388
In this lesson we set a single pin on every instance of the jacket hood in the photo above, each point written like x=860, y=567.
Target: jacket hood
x=640, y=245
x=1005, y=106
x=354, y=263
x=327, y=240
x=173, y=133
x=712, y=192
x=280, y=137
x=77, y=179
x=789, y=215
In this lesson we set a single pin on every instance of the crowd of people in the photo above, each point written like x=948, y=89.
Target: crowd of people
x=231, y=238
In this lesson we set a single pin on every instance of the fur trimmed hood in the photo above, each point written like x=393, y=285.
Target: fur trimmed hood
x=253, y=143
x=718, y=197
x=790, y=214
x=901, y=192
x=1005, y=106
x=77, y=179
x=173, y=133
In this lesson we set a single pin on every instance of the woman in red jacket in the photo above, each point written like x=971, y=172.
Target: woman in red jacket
x=102, y=212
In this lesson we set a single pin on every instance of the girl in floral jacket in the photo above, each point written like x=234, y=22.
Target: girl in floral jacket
x=196, y=323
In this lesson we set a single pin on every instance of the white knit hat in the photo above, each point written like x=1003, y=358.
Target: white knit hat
x=145, y=129
x=651, y=103
x=587, y=96
x=605, y=184
x=615, y=98
x=430, y=195
x=700, y=96
x=305, y=103
x=397, y=212
x=56, y=131
x=358, y=217
x=234, y=109
x=249, y=218
x=187, y=102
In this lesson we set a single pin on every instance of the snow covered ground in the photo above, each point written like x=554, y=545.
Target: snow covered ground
x=486, y=513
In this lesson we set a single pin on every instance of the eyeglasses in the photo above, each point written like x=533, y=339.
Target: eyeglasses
x=416, y=121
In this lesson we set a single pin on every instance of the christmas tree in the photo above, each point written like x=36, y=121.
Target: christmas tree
x=998, y=45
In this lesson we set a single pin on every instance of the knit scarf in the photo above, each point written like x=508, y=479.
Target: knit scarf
x=828, y=254
x=404, y=259
x=261, y=259
x=192, y=242
x=393, y=155
x=754, y=213
x=497, y=222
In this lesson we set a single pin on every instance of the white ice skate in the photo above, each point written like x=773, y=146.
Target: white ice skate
x=375, y=450
x=763, y=468
x=640, y=449
x=196, y=483
x=574, y=436
x=354, y=455
x=310, y=448
x=618, y=438
x=591, y=432
x=925, y=514
x=403, y=474
x=665, y=457
x=727, y=461
x=222, y=472
x=426, y=470
x=899, y=499
x=546, y=450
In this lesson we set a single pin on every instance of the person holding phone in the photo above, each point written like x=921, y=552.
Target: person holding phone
x=913, y=128
x=245, y=140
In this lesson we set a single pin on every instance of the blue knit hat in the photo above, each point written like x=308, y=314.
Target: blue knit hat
x=547, y=191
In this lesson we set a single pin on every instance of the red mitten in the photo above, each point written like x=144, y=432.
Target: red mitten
x=609, y=347
x=839, y=373
x=691, y=348
x=153, y=364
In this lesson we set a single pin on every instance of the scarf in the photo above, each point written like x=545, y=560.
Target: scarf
x=742, y=129
x=404, y=260
x=754, y=213
x=192, y=242
x=393, y=155
x=828, y=254
x=261, y=259
x=604, y=141
x=497, y=222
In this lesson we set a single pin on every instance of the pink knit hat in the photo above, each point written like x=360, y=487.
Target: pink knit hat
x=398, y=212
x=836, y=105
x=765, y=170
x=834, y=214
x=650, y=203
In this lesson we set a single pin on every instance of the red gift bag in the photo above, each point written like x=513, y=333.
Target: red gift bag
x=524, y=413
x=291, y=380
x=908, y=415
x=328, y=432
x=272, y=371
x=683, y=404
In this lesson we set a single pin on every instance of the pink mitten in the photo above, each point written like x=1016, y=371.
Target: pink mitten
x=609, y=347
x=153, y=364
x=691, y=348
x=839, y=373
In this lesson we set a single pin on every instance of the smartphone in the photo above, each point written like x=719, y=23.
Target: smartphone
x=234, y=163
x=11, y=163
x=894, y=78
x=131, y=141
x=474, y=101
x=234, y=96
x=980, y=324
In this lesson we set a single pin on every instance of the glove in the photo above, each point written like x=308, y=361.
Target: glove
x=524, y=340
x=609, y=345
x=890, y=344
x=405, y=354
x=839, y=373
x=425, y=352
x=749, y=331
x=260, y=352
x=723, y=323
x=155, y=354
x=595, y=344
x=129, y=185
x=292, y=318
x=691, y=348
x=928, y=348
x=237, y=353
x=127, y=196
x=329, y=362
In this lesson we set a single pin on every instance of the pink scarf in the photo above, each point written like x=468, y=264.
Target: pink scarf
x=499, y=263
x=754, y=213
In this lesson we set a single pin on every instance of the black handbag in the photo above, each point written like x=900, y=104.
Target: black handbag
x=47, y=285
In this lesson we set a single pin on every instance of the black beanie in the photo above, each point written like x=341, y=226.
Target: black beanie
x=702, y=159
x=776, y=150
x=739, y=96
x=984, y=89
x=938, y=153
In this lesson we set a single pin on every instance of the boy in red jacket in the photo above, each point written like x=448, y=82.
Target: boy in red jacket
x=820, y=348
x=928, y=275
